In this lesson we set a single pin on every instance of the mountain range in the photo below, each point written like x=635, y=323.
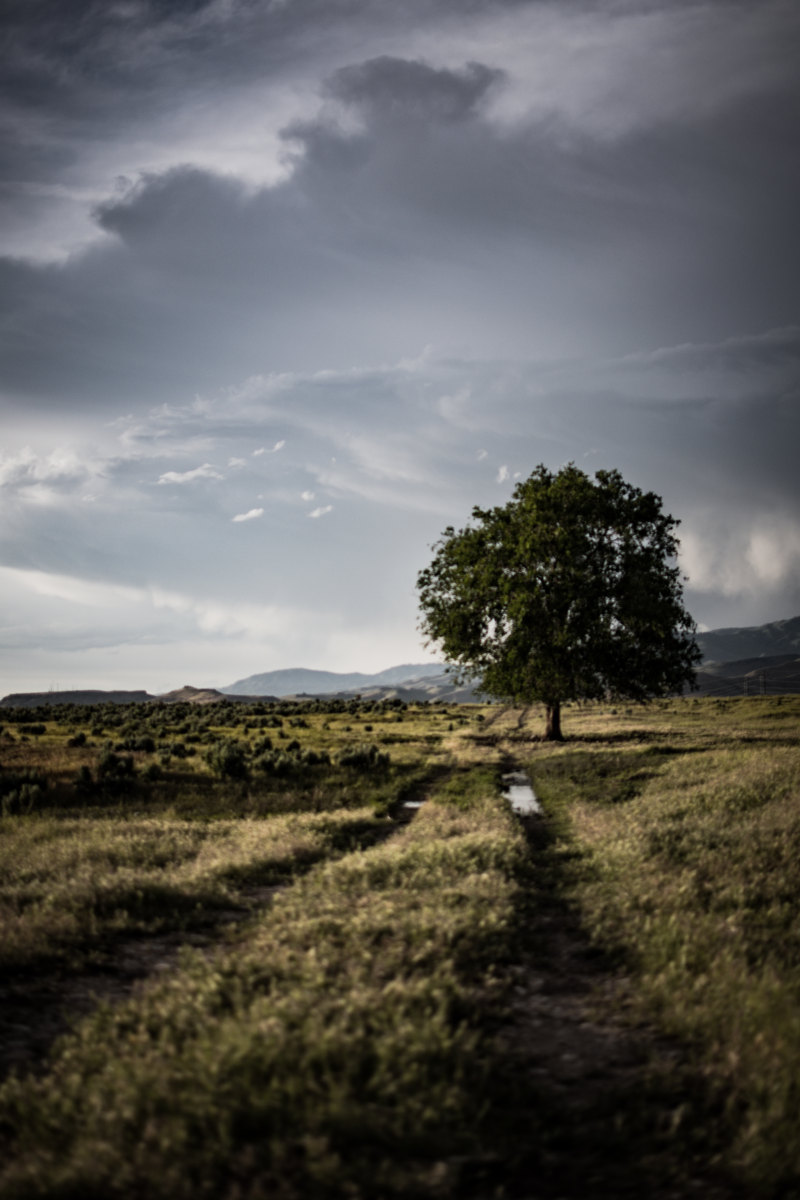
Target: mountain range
x=751, y=660
x=299, y=681
x=757, y=641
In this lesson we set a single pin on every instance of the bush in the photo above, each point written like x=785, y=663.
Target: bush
x=83, y=779
x=314, y=758
x=227, y=759
x=22, y=799
x=365, y=757
x=21, y=791
x=112, y=766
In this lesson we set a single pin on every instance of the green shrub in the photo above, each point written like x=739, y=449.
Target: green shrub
x=114, y=766
x=366, y=757
x=227, y=759
x=23, y=799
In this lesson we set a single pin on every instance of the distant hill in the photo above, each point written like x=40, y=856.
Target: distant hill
x=193, y=695
x=428, y=687
x=296, y=681
x=756, y=641
x=35, y=699
x=750, y=660
x=767, y=675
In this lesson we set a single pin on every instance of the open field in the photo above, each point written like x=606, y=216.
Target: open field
x=331, y=999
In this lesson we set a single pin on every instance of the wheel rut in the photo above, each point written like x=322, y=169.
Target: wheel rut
x=38, y=1007
x=599, y=1106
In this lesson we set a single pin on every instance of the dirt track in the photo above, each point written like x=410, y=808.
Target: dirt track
x=601, y=1107
x=596, y=1107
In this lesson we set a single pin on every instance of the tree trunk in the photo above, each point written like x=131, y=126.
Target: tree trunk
x=552, y=731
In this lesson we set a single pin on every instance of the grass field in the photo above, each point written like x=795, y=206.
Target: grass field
x=346, y=1032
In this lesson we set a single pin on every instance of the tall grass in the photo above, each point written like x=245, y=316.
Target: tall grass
x=691, y=870
x=336, y=1051
x=70, y=885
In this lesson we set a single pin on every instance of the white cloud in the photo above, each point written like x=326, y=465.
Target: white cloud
x=87, y=593
x=321, y=511
x=117, y=607
x=750, y=558
x=249, y=516
x=261, y=450
x=44, y=478
x=206, y=471
x=502, y=474
x=237, y=462
x=307, y=495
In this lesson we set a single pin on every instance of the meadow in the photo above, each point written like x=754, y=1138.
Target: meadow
x=373, y=958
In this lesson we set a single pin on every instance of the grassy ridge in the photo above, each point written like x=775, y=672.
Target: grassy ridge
x=335, y=1051
x=690, y=829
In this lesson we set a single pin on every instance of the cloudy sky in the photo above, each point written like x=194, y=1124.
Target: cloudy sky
x=289, y=285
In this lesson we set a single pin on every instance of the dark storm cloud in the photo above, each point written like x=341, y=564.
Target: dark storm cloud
x=389, y=88
x=587, y=212
x=410, y=225
x=92, y=59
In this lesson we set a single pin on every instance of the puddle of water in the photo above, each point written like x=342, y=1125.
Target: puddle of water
x=520, y=795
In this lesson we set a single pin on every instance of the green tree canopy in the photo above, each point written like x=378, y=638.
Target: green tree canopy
x=569, y=591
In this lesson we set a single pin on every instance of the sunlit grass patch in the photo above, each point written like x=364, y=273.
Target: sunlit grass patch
x=71, y=884
x=691, y=869
x=337, y=1050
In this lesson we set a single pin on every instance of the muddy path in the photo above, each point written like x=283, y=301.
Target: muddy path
x=597, y=1105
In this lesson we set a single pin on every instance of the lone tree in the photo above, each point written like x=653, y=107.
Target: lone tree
x=569, y=591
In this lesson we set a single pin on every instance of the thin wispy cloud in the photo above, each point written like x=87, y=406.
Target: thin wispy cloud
x=251, y=515
x=206, y=471
x=321, y=511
